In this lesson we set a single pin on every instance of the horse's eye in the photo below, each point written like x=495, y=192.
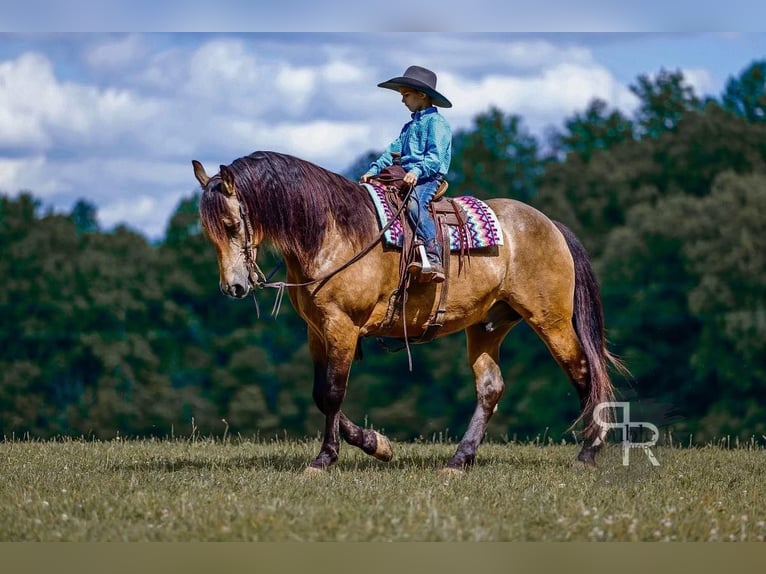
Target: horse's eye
x=232, y=228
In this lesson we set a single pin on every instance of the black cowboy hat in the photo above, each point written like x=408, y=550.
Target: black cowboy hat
x=420, y=79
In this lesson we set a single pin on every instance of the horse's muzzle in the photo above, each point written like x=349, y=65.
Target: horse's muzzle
x=236, y=290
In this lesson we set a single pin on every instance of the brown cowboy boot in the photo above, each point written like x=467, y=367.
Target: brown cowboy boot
x=415, y=266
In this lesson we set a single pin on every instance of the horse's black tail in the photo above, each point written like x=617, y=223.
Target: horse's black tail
x=589, y=326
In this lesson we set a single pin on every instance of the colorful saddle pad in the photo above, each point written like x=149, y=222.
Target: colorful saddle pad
x=482, y=227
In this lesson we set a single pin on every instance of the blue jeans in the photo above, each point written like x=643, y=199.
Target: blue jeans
x=418, y=212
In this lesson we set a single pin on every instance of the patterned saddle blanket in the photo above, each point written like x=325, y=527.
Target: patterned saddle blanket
x=482, y=226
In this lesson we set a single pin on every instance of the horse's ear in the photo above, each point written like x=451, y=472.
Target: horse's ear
x=199, y=173
x=227, y=181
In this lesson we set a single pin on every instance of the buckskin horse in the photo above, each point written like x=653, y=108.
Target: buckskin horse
x=324, y=226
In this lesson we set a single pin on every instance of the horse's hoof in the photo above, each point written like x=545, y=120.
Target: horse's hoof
x=313, y=472
x=449, y=472
x=587, y=458
x=584, y=465
x=383, y=450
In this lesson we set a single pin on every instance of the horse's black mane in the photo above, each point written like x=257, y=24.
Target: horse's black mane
x=292, y=202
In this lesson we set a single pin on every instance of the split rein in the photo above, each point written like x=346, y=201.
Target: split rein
x=259, y=280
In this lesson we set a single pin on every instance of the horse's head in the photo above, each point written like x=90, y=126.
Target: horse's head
x=224, y=218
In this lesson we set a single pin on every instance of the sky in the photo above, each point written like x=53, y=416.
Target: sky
x=116, y=118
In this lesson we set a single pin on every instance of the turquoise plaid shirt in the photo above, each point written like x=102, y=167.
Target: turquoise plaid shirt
x=425, y=144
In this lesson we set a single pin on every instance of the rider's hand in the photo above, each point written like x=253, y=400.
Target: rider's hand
x=410, y=178
x=365, y=178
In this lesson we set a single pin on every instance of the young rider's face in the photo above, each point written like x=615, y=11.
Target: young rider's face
x=413, y=99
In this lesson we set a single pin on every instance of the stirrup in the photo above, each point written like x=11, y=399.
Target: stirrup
x=425, y=261
x=420, y=264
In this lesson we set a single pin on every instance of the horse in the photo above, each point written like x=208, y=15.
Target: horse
x=325, y=227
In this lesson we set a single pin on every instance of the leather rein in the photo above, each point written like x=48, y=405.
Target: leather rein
x=259, y=280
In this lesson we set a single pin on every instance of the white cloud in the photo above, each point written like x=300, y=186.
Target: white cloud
x=39, y=112
x=220, y=66
x=166, y=71
x=141, y=193
x=127, y=147
x=322, y=140
x=541, y=99
x=339, y=72
x=332, y=144
x=229, y=75
x=701, y=80
x=473, y=55
x=296, y=79
x=296, y=86
x=27, y=96
x=147, y=213
x=118, y=53
x=28, y=173
x=534, y=54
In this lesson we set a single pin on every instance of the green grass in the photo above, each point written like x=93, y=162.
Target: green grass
x=203, y=489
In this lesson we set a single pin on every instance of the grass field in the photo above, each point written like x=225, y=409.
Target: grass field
x=240, y=490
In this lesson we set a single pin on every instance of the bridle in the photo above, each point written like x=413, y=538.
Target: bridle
x=255, y=275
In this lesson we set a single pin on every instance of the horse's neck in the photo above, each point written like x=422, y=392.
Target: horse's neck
x=334, y=252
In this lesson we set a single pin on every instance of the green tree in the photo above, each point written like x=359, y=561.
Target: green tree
x=497, y=158
x=663, y=101
x=687, y=274
x=39, y=304
x=595, y=129
x=745, y=95
x=725, y=249
x=84, y=214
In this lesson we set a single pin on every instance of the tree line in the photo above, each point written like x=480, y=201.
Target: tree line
x=106, y=333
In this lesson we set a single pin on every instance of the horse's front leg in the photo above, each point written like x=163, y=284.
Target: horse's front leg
x=370, y=441
x=332, y=354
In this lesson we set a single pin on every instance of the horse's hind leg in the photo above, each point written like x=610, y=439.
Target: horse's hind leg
x=483, y=356
x=563, y=343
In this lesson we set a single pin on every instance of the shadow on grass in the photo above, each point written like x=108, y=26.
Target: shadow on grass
x=437, y=462
x=350, y=460
x=283, y=463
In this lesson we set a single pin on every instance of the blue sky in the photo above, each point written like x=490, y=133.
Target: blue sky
x=117, y=118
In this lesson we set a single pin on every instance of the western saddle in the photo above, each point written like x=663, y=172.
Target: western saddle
x=446, y=213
